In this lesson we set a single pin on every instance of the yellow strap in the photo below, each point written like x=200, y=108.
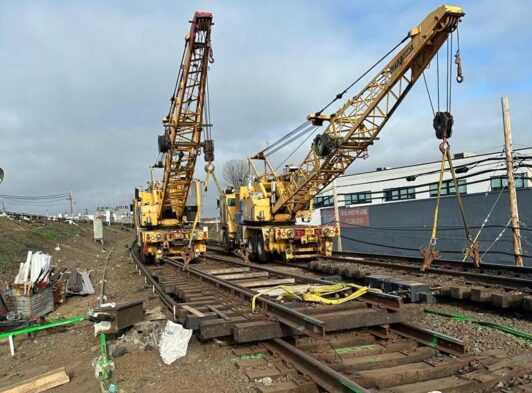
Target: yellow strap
x=315, y=294
x=442, y=171
x=459, y=198
x=287, y=289
x=312, y=297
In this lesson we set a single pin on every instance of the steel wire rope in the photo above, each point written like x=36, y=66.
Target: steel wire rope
x=497, y=238
x=293, y=152
x=338, y=96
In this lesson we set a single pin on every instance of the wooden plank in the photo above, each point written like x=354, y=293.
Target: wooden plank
x=241, y=276
x=192, y=310
x=40, y=383
x=278, y=291
x=385, y=360
x=335, y=342
x=364, y=350
x=444, y=385
x=409, y=373
x=227, y=270
x=263, y=283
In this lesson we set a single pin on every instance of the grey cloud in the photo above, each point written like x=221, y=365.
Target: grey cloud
x=84, y=84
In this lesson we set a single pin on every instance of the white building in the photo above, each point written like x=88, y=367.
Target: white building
x=477, y=173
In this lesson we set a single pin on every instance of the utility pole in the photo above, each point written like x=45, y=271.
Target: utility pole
x=337, y=215
x=512, y=194
x=71, y=205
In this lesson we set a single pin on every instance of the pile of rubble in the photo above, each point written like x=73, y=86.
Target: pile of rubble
x=38, y=288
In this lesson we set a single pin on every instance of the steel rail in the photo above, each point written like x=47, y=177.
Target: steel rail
x=499, y=279
x=156, y=287
x=441, y=342
x=390, y=302
x=449, y=267
x=321, y=374
x=444, y=262
x=292, y=318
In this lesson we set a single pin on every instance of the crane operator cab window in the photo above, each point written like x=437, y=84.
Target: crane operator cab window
x=289, y=169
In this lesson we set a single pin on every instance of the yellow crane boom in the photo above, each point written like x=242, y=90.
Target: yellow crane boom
x=181, y=141
x=355, y=126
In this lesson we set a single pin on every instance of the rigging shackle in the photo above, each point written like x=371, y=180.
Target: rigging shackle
x=443, y=125
x=458, y=62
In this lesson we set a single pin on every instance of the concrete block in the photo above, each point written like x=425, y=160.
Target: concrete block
x=505, y=300
x=527, y=303
x=482, y=295
x=460, y=293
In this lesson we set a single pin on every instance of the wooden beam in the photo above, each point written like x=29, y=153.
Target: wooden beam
x=40, y=383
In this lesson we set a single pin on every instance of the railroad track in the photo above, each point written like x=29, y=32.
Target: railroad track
x=506, y=276
x=213, y=298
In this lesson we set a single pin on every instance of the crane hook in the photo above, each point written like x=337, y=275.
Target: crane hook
x=458, y=62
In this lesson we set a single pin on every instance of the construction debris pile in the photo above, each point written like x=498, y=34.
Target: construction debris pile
x=38, y=288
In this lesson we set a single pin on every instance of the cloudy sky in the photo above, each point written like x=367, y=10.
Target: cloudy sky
x=84, y=85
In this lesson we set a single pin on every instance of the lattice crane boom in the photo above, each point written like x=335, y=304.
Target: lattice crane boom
x=355, y=126
x=181, y=142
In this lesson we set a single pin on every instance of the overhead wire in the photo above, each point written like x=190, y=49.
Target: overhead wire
x=469, y=165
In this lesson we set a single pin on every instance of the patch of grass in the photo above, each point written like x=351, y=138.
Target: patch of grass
x=19, y=237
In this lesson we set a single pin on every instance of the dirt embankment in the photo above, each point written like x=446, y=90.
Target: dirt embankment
x=18, y=237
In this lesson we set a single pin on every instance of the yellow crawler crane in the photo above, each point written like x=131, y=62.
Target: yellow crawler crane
x=264, y=223
x=165, y=223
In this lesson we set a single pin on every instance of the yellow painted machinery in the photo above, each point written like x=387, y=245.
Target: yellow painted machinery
x=266, y=217
x=166, y=223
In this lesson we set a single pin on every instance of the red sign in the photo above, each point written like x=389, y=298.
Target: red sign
x=349, y=216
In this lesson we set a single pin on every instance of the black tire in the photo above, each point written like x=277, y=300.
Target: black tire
x=147, y=258
x=252, y=246
x=262, y=255
x=225, y=239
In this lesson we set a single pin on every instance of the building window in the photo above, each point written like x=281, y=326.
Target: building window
x=357, y=198
x=398, y=194
x=500, y=182
x=447, y=188
x=323, y=201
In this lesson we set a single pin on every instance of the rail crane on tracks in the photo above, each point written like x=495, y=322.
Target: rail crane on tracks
x=259, y=218
x=166, y=223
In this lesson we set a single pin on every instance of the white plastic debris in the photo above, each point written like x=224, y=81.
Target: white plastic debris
x=174, y=342
x=37, y=266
